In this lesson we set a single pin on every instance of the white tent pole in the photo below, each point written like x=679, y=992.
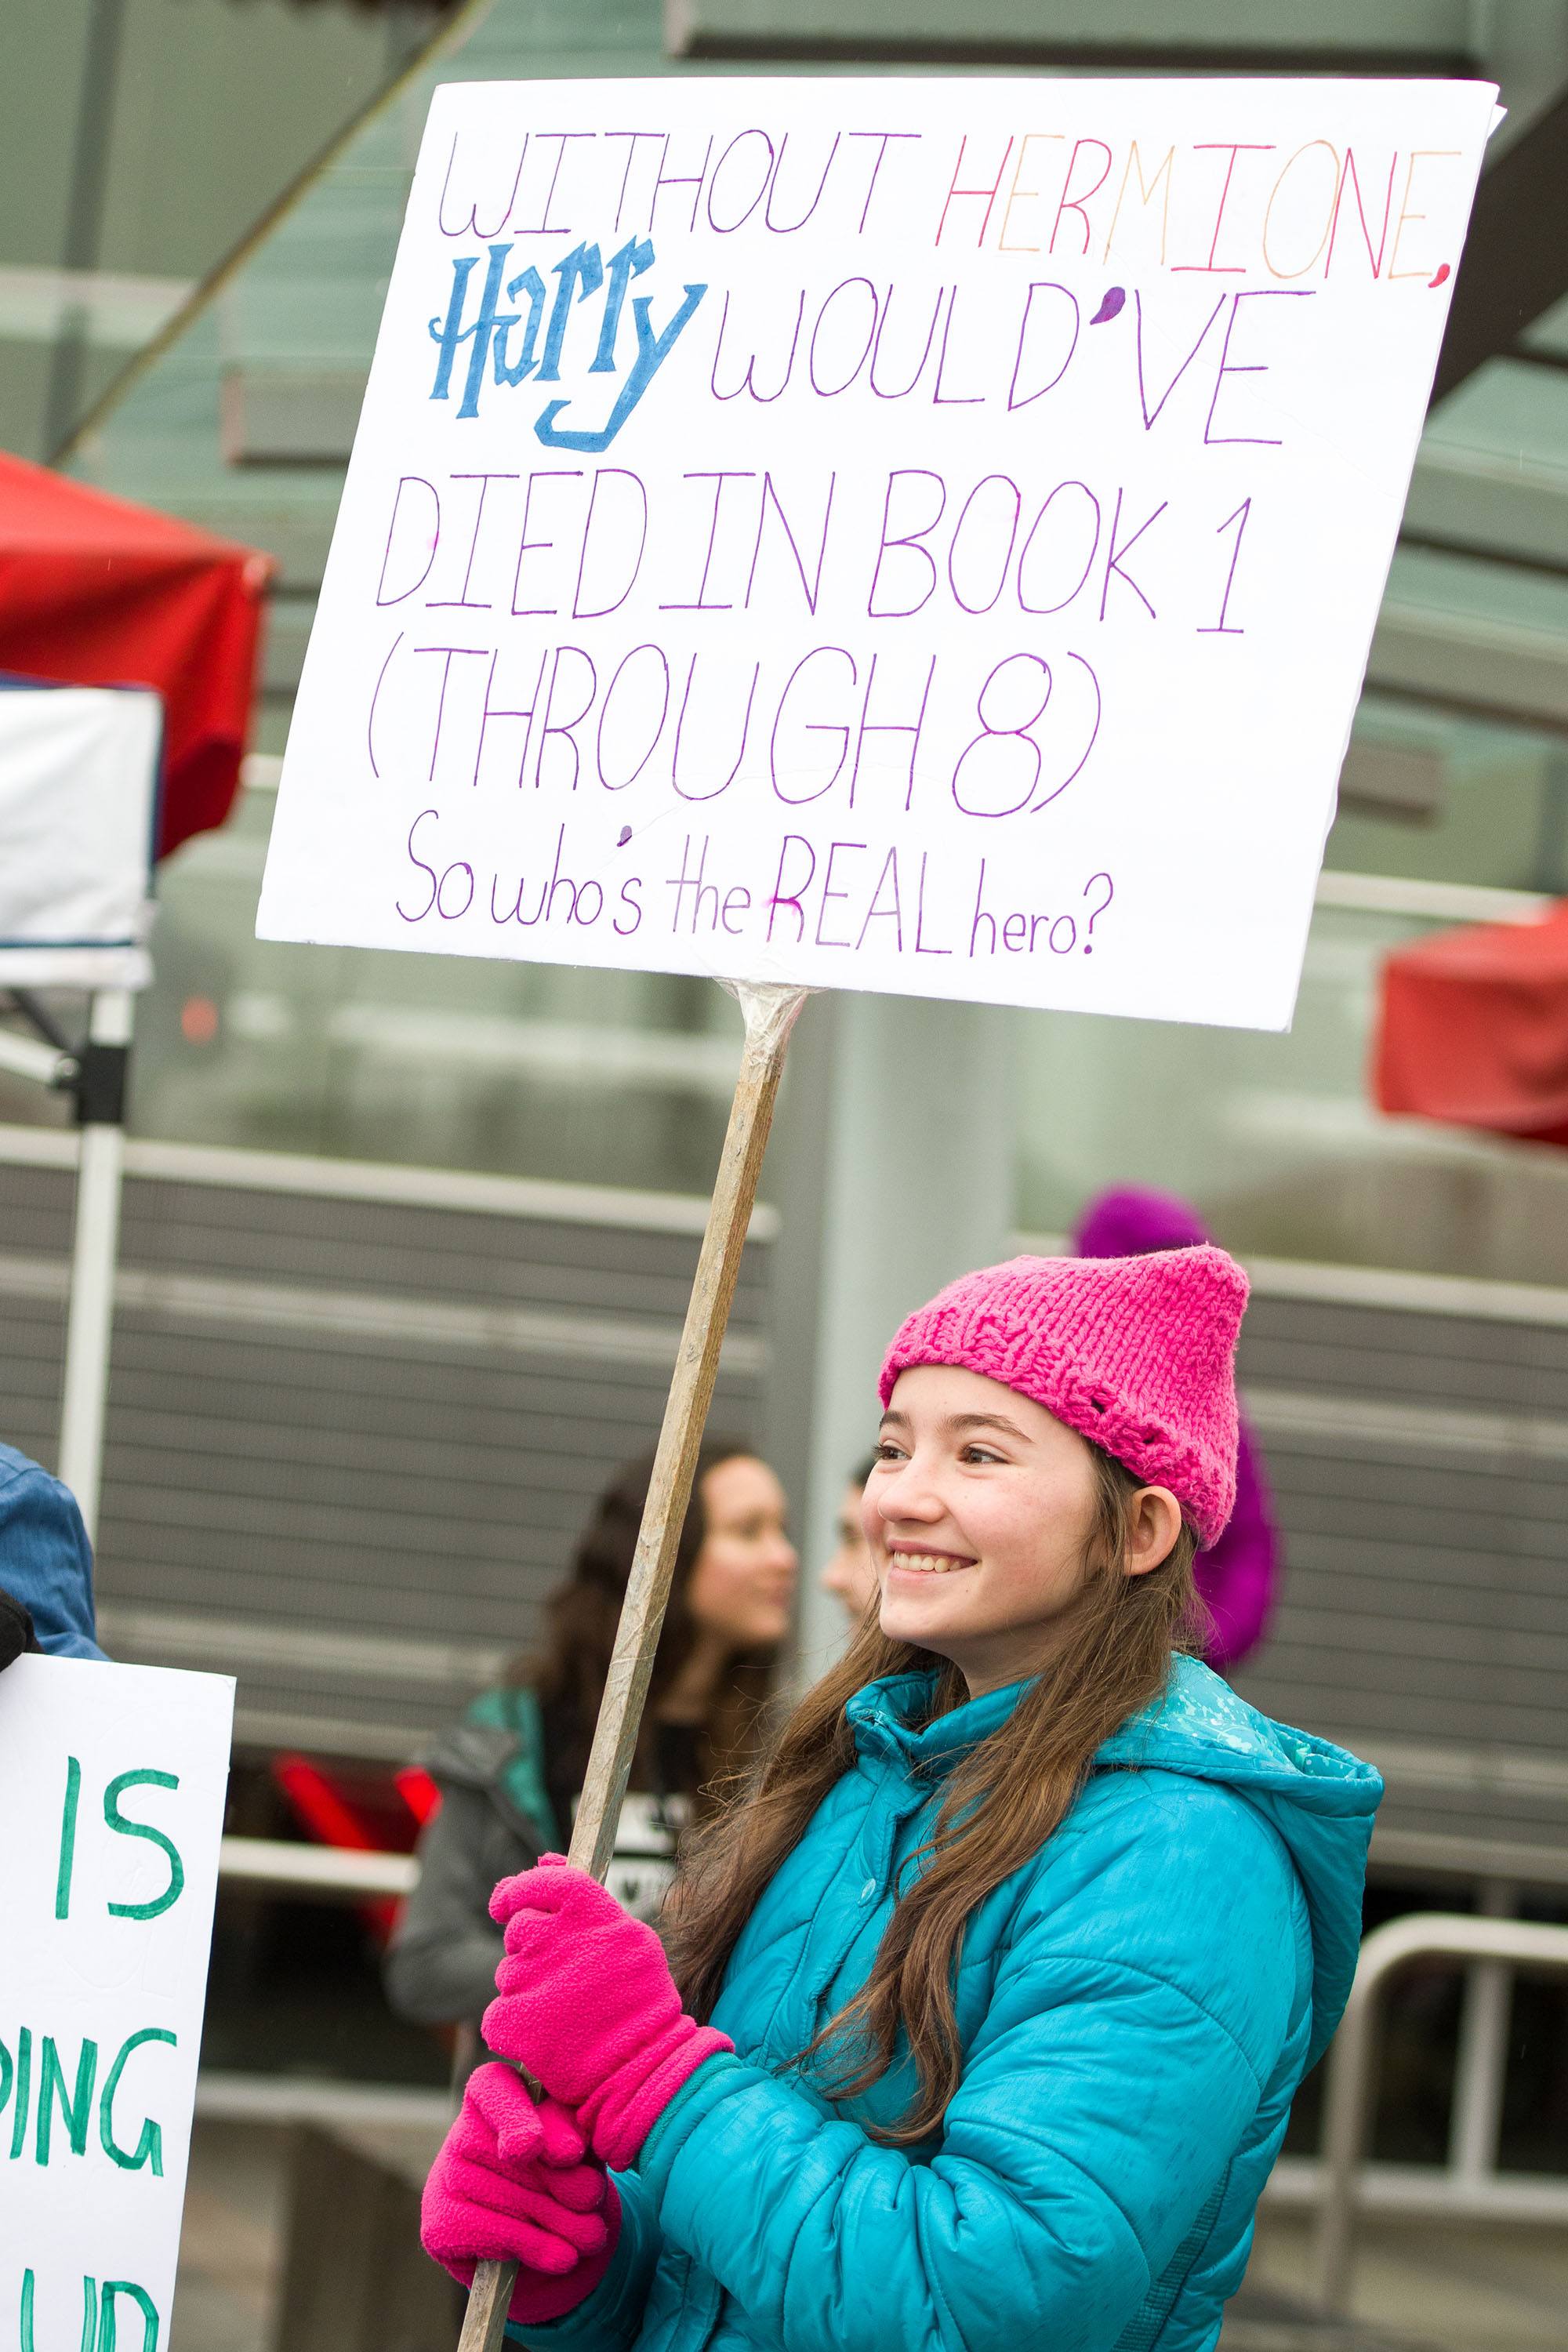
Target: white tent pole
x=101, y=1110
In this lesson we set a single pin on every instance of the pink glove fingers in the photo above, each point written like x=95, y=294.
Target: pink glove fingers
x=534, y=1929
x=524, y=2131
x=485, y=2201
x=534, y=2298
x=463, y=2217
x=500, y=2238
x=555, y=1890
x=501, y=2099
x=586, y=2003
x=527, y=1887
x=532, y=2022
x=566, y=2144
x=527, y=1971
x=479, y=2190
x=580, y=2187
x=539, y=2295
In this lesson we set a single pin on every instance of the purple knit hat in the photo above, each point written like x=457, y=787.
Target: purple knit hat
x=1129, y=1222
x=1136, y=1353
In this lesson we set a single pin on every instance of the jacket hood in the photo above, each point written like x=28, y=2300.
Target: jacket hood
x=887, y=1718
x=497, y=1751
x=1318, y=1798
x=471, y=1754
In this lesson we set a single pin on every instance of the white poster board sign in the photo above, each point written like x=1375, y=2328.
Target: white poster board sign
x=78, y=799
x=919, y=535
x=113, y=1780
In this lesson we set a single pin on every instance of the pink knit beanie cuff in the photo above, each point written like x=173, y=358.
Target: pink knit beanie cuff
x=1137, y=1354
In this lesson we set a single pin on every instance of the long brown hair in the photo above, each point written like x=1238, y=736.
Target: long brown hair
x=568, y=1673
x=1002, y=1801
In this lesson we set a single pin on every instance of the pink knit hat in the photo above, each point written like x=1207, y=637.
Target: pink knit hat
x=1136, y=1353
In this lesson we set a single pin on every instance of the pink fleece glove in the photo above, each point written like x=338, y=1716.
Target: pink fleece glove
x=588, y=2005
x=513, y=2182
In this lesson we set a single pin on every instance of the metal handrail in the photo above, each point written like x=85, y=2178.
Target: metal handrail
x=315, y=1869
x=316, y=1872
x=31, y=1058
x=1422, y=1935
x=274, y=1862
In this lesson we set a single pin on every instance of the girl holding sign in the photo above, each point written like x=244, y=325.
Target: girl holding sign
x=983, y=2011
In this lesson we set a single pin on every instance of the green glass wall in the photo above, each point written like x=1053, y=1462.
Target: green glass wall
x=1458, y=775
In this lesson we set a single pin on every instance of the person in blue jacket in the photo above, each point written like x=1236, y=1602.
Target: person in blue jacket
x=46, y=1565
x=979, y=2015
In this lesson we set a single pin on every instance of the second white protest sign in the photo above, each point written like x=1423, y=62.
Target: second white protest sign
x=114, y=1779
x=913, y=535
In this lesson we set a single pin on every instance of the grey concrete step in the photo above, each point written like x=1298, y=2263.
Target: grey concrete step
x=1259, y=2320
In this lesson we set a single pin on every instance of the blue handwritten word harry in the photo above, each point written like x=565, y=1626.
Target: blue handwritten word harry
x=580, y=275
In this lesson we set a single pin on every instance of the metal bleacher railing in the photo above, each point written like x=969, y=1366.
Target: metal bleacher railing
x=1470, y=2182
x=1341, y=2183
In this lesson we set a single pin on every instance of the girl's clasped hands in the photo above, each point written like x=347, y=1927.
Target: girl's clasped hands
x=586, y=2002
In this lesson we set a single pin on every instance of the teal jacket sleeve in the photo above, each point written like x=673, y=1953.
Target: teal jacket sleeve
x=1133, y=2025
x=611, y=2317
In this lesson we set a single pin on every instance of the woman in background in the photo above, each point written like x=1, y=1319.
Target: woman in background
x=509, y=1773
x=1237, y=1577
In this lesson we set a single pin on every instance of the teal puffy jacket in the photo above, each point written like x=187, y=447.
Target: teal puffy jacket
x=1137, y=2006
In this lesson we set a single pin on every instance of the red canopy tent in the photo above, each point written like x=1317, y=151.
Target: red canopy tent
x=95, y=591
x=1474, y=1029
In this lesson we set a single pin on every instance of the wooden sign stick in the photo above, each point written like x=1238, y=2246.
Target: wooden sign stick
x=770, y=1013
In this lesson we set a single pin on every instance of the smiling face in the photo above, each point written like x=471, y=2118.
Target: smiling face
x=981, y=1515
x=742, y=1580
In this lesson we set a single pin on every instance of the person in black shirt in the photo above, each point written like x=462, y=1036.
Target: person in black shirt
x=509, y=1773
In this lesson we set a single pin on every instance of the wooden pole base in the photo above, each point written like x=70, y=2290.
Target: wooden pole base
x=770, y=1013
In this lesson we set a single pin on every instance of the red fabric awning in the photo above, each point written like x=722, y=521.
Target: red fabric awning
x=1474, y=1029
x=95, y=591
